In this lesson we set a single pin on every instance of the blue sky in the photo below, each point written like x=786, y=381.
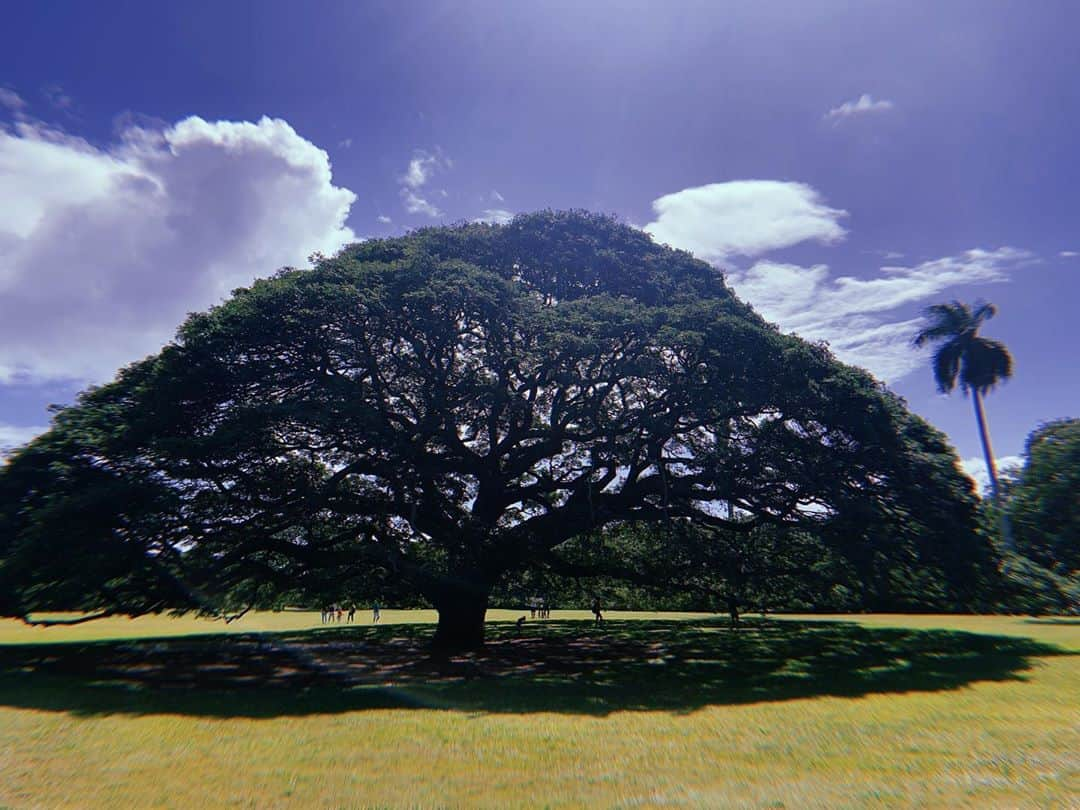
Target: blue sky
x=846, y=163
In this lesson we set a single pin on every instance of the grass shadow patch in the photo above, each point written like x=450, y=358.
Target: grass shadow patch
x=569, y=667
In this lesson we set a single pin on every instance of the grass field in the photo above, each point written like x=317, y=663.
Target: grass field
x=649, y=710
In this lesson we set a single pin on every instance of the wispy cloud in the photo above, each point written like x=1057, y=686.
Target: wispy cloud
x=495, y=216
x=421, y=169
x=1068, y=254
x=11, y=100
x=415, y=204
x=385, y=220
x=852, y=314
x=863, y=105
x=345, y=143
x=857, y=316
x=55, y=95
x=497, y=197
x=744, y=218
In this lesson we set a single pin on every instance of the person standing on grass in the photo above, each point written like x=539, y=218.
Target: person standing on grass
x=596, y=611
x=375, y=615
x=352, y=614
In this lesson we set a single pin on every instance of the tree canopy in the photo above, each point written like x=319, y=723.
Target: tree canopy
x=1044, y=500
x=963, y=355
x=431, y=413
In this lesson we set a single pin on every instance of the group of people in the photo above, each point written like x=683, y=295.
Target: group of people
x=332, y=614
x=335, y=613
x=540, y=609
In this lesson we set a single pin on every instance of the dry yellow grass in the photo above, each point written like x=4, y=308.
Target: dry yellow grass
x=1009, y=742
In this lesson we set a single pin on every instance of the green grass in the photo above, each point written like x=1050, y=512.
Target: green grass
x=649, y=710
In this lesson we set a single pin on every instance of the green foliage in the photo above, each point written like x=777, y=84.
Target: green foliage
x=432, y=414
x=964, y=356
x=658, y=567
x=1024, y=585
x=1044, y=501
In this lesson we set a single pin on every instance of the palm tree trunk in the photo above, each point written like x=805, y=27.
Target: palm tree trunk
x=991, y=468
x=988, y=451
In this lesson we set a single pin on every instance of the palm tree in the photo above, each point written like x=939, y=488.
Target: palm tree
x=978, y=363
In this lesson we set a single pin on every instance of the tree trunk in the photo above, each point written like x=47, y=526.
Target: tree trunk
x=991, y=468
x=988, y=451
x=462, y=605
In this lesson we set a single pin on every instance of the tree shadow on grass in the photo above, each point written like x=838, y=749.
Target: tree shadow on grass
x=555, y=666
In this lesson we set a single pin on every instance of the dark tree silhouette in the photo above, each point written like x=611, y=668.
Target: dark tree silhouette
x=434, y=412
x=1043, y=501
x=979, y=364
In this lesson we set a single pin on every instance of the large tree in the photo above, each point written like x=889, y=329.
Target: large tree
x=1044, y=500
x=978, y=363
x=433, y=412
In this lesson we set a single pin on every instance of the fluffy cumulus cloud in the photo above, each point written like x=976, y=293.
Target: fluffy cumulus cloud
x=743, y=218
x=975, y=468
x=853, y=314
x=104, y=250
x=863, y=105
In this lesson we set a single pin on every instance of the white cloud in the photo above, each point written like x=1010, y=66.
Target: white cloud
x=743, y=217
x=11, y=99
x=751, y=217
x=12, y=436
x=345, y=143
x=495, y=216
x=104, y=251
x=385, y=220
x=497, y=197
x=851, y=314
x=863, y=105
x=421, y=169
x=975, y=469
x=1068, y=254
x=415, y=204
